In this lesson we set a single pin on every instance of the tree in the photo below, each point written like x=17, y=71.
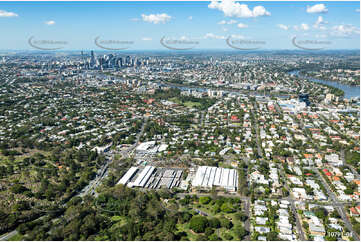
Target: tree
x=214, y=223
x=204, y=200
x=198, y=224
x=22, y=228
x=330, y=238
x=241, y=216
x=17, y=188
x=335, y=214
x=240, y=231
x=272, y=236
x=225, y=223
x=208, y=231
x=201, y=237
x=227, y=236
x=184, y=202
x=216, y=208
x=320, y=212
x=226, y=208
x=305, y=225
x=214, y=237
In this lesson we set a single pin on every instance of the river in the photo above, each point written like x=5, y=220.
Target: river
x=350, y=91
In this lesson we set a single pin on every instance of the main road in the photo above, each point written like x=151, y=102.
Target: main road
x=91, y=188
x=340, y=209
x=291, y=201
x=9, y=235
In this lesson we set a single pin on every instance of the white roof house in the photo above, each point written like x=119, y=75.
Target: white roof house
x=207, y=177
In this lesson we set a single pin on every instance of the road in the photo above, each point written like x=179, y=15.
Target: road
x=255, y=126
x=336, y=128
x=247, y=223
x=298, y=220
x=335, y=202
x=340, y=209
x=293, y=207
x=94, y=183
x=91, y=188
x=290, y=198
x=127, y=152
x=9, y=235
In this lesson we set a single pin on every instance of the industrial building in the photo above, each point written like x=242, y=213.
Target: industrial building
x=207, y=177
x=151, y=177
x=150, y=147
x=143, y=177
x=126, y=178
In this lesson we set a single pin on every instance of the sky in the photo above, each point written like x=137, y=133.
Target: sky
x=198, y=25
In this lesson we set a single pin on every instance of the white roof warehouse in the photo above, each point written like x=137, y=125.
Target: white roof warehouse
x=207, y=176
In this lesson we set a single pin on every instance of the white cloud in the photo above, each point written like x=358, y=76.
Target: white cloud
x=282, y=26
x=156, y=18
x=190, y=17
x=224, y=29
x=319, y=24
x=146, y=39
x=50, y=22
x=231, y=8
x=229, y=22
x=345, y=30
x=242, y=26
x=320, y=20
x=321, y=36
x=5, y=14
x=358, y=10
x=322, y=27
x=260, y=11
x=303, y=26
x=213, y=36
x=237, y=36
x=318, y=8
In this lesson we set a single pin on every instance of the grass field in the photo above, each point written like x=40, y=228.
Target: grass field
x=186, y=104
x=191, y=104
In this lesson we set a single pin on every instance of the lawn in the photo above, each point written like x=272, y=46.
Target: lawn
x=192, y=104
x=175, y=100
x=188, y=104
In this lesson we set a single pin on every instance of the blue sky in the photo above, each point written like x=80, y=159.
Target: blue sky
x=207, y=23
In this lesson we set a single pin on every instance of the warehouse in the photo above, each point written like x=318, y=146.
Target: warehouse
x=207, y=177
x=150, y=177
x=126, y=178
x=143, y=177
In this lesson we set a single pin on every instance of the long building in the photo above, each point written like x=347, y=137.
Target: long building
x=143, y=176
x=150, y=177
x=207, y=177
x=126, y=178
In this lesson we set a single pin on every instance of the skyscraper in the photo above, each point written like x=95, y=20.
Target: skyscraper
x=92, y=59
